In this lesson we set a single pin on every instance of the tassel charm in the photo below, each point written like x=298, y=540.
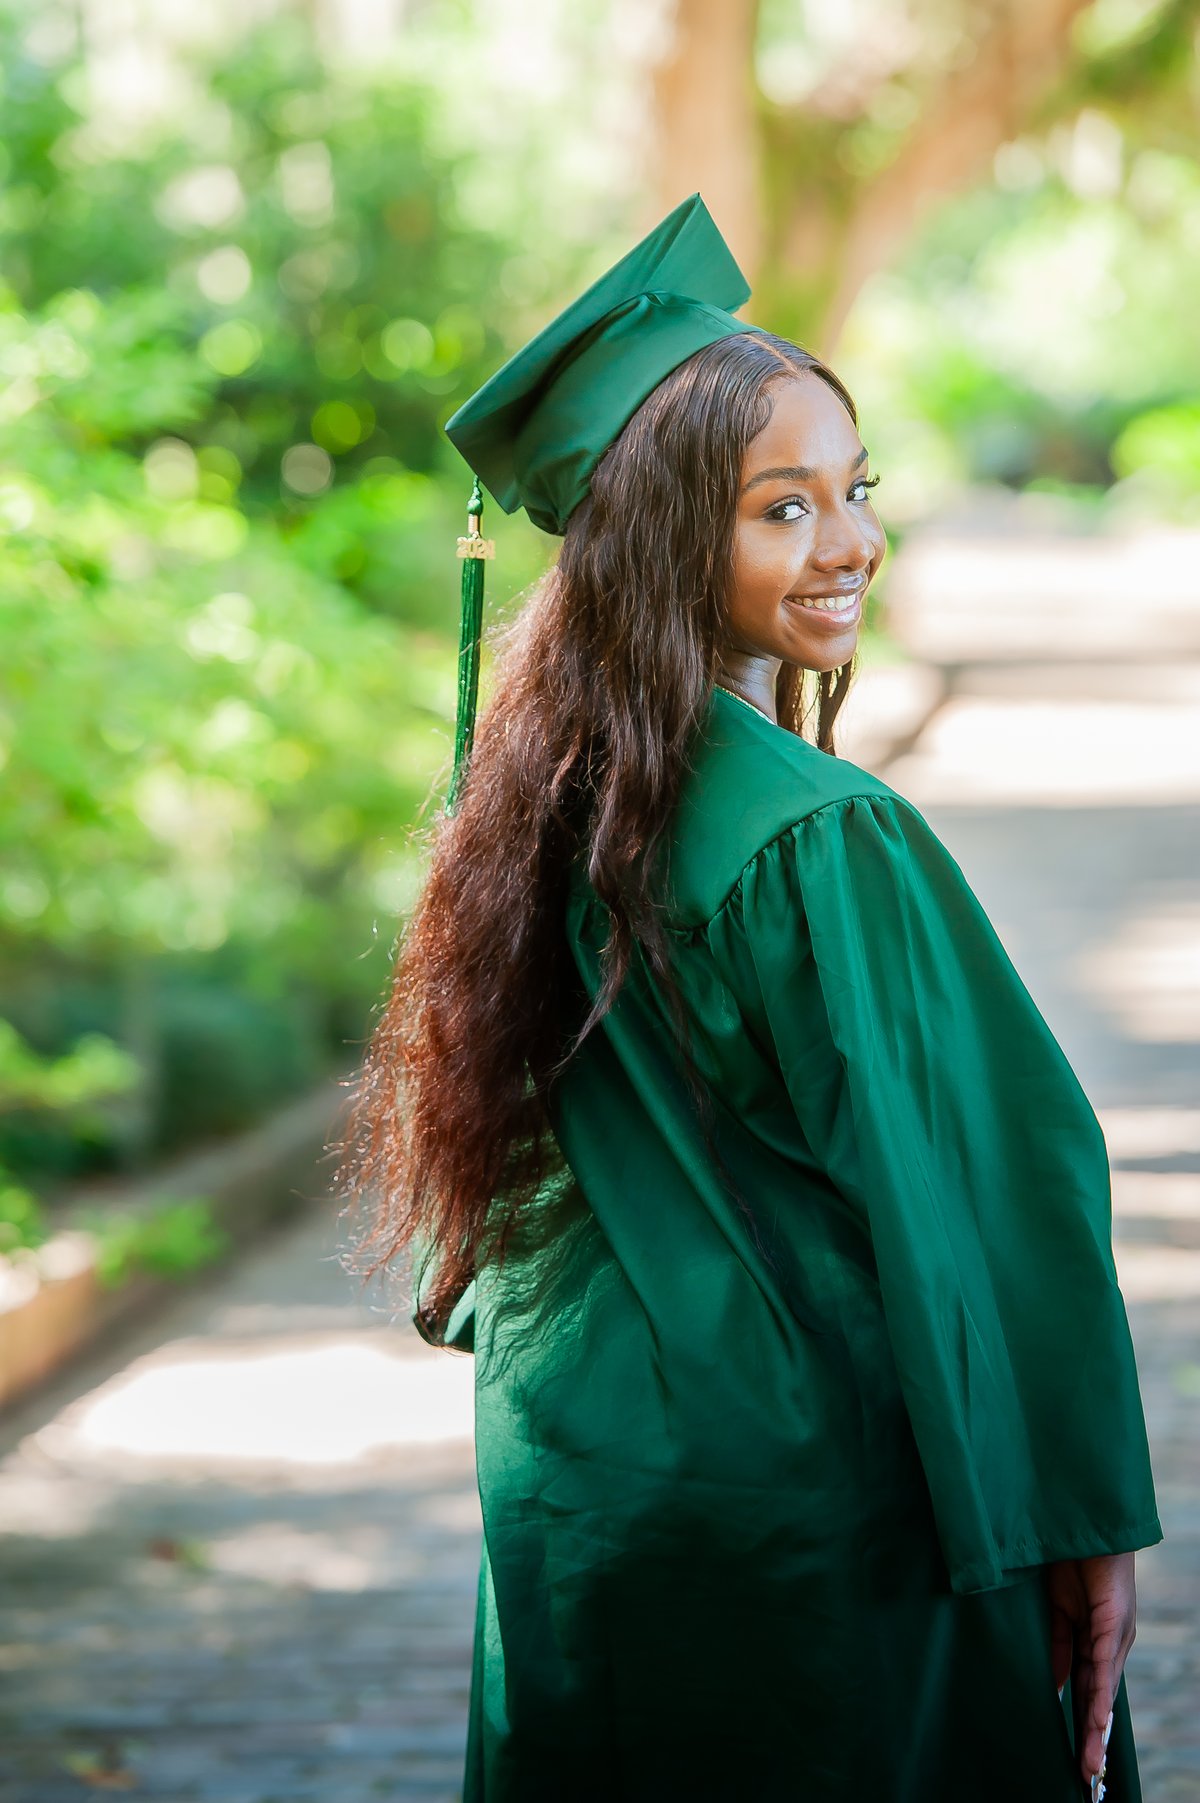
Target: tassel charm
x=473, y=549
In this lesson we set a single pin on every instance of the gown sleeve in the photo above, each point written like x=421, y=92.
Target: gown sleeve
x=932, y=1091
x=458, y=1331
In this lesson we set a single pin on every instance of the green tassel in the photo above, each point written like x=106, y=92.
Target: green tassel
x=473, y=550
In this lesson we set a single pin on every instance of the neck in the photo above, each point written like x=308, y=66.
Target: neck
x=753, y=678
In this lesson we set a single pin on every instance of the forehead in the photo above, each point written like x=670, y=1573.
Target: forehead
x=809, y=424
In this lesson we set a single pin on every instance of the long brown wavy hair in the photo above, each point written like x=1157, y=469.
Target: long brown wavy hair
x=599, y=685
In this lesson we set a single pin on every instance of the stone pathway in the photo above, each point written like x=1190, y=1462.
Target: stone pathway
x=240, y=1548
x=240, y=1553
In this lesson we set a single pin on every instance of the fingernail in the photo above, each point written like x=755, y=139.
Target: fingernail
x=1061, y=1688
x=1107, y=1730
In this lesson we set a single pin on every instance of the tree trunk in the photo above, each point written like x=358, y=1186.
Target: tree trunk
x=703, y=119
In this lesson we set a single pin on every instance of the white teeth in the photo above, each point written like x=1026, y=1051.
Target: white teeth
x=835, y=603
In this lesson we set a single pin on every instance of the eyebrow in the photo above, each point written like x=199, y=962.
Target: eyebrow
x=795, y=473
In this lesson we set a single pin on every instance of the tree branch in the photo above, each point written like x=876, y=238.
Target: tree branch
x=1025, y=50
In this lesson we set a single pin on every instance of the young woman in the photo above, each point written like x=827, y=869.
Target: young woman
x=809, y=1441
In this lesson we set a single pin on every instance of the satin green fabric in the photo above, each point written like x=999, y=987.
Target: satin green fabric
x=766, y=1499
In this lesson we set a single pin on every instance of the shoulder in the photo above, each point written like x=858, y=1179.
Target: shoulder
x=750, y=783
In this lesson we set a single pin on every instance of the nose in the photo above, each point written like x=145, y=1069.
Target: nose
x=842, y=544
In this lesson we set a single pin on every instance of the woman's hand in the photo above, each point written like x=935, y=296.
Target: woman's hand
x=1093, y=1607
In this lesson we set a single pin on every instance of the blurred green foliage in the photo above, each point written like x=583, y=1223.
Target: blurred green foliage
x=66, y=1088
x=229, y=603
x=1036, y=332
x=172, y=1240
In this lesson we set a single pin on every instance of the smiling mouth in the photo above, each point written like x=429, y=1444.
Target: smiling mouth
x=832, y=610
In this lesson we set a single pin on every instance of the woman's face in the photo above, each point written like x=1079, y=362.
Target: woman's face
x=805, y=532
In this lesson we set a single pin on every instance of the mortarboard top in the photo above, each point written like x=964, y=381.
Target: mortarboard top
x=537, y=428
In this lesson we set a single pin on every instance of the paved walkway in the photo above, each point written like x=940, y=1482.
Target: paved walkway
x=240, y=1553
x=240, y=1549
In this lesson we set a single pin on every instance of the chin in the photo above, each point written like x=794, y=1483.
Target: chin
x=832, y=663
x=819, y=663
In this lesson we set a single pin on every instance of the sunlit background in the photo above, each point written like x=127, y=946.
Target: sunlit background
x=252, y=256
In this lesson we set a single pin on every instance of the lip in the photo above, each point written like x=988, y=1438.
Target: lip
x=844, y=616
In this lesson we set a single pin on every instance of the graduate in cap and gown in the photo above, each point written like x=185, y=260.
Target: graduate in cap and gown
x=727, y=1138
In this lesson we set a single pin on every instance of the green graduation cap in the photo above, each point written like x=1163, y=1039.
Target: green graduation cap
x=536, y=430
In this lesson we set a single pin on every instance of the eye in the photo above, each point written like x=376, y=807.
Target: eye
x=776, y=512
x=862, y=482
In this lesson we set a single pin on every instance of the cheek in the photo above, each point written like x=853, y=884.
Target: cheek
x=759, y=565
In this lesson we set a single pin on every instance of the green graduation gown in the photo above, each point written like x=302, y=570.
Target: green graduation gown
x=765, y=1499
